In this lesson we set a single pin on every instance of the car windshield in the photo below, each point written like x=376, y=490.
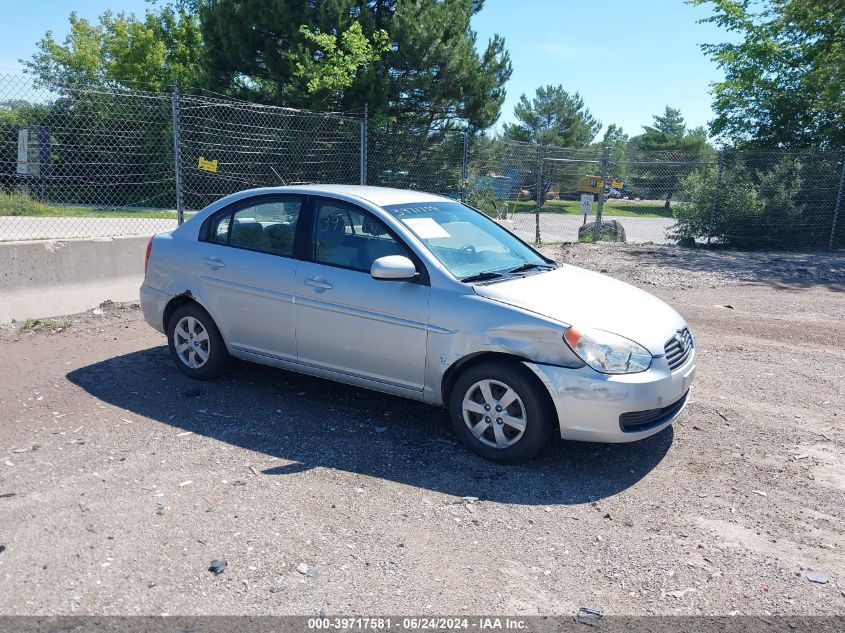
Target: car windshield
x=466, y=241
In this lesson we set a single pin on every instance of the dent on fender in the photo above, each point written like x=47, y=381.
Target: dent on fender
x=531, y=343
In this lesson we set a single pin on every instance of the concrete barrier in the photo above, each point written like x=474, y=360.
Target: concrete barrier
x=46, y=278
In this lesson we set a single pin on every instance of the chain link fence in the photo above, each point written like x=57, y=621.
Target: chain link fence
x=90, y=162
x=80, y=162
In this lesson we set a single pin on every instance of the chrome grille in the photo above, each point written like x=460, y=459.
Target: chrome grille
x=678, y=348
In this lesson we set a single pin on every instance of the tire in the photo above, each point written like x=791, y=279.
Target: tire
x=501, y=442
x=206, y=341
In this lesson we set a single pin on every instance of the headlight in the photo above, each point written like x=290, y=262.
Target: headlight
x=606, y=352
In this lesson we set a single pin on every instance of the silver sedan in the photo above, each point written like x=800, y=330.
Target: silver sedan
x=419, y=296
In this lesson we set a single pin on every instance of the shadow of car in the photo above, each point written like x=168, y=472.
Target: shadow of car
x=306, y=423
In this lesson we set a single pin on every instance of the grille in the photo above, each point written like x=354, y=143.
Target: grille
x=645, y=420
x=678, y=348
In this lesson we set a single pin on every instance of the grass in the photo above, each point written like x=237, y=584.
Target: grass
x=589, y=238
x=33, y=325
x=621, y=208
x=20, y=204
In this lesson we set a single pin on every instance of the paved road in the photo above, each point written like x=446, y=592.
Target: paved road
x=51, y=228
x=560, y=227
x=554, y=227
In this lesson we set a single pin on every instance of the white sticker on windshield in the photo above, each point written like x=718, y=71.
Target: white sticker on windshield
x=426, y=228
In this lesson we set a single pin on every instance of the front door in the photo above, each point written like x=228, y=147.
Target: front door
x=246, y=274
x=348, y=322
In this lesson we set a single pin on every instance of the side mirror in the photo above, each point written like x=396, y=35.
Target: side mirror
x=396, y=267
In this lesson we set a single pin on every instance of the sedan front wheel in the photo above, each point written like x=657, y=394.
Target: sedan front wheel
x=501, y=412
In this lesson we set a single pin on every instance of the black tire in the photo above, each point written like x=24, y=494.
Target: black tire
x=533, y=398
x=215, y=348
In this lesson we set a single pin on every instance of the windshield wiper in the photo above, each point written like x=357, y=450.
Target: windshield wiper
x=482, y=277
x=528, y=266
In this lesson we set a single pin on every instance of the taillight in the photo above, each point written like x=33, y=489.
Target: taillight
x=147, y=254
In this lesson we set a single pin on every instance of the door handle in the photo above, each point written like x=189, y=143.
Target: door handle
x=213, y=262
x=319, y=284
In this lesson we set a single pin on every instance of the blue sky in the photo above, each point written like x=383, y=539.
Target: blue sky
x=627, y=58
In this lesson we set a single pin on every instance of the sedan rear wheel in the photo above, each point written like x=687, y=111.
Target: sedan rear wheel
x=501, y=412
x=195, y=342
x=192, y=342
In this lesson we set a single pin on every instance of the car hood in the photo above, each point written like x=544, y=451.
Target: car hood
x=580, y=297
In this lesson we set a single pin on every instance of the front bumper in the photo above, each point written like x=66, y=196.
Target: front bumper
x=589, y=404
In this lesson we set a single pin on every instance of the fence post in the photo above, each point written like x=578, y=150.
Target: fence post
x=838, y=205
x=464, y=167
x=716, y=191
x=363, y=142
x=177, y=153
x=537, y=239
x=605, y=172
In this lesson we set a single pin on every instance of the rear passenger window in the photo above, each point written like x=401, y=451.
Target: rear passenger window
x=267, y=226
x=346, y=237
x=220, y=230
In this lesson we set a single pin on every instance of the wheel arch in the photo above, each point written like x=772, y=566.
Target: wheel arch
x=450, y=376
x=181, y=299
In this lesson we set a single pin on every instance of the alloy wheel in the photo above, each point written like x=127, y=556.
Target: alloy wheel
x=191, y=342
x=494, y=413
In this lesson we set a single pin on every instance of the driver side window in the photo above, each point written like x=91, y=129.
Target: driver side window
x=348, y=237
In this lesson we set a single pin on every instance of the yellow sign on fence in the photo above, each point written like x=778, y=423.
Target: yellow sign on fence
x=207, y=165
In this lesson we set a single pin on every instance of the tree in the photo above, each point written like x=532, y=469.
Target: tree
x=334, y=66
x=785, y=78
x=125, y=51
x=553, y=117
x=432, y=77
x=617, y=141
x=667, y=140
x=761, y=204
x=670, y=124
x=669, y=133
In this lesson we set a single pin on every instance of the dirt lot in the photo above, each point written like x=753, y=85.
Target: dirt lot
x=121, y=480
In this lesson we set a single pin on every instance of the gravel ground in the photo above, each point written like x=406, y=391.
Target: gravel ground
x=121, y=480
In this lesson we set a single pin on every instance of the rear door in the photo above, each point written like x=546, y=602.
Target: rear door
x=246, y=273
x=348, y=322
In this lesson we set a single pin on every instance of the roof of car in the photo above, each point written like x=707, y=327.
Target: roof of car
x=381, y=196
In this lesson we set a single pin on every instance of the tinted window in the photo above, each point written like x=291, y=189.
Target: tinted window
x=220, y=229
x=268, y=226
x=346, y=236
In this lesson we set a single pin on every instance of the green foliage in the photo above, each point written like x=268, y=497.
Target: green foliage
x=667, y=140
x=334, y=65
x=53, y=325
x=553, y=117
x=432, y=76
x=482, y=195
x=612, y=208
x=669, y=133
x=667, y=127
x=785, y=78
x=616, y=139
x=18, y=203
x=773, y=203
x=124, y=50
